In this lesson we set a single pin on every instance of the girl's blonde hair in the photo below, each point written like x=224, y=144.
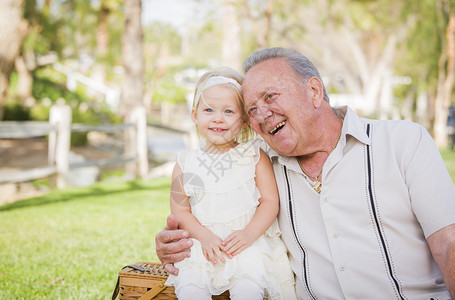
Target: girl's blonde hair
x=246, y=133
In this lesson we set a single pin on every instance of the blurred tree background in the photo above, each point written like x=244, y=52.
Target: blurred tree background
x=386, y=59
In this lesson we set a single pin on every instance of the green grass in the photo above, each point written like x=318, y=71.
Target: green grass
x=71, y=243
x=449, y=159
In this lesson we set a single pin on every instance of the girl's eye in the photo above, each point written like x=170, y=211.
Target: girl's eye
x=208, y=110
x=228, y=111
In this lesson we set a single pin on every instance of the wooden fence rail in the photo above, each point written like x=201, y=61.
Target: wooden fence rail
x=58, y=130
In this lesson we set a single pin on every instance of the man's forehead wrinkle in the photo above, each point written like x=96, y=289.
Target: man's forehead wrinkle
x=259, y=95
x=263, y=92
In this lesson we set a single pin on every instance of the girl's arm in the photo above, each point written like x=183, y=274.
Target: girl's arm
x=180, y=207
x=265, y=214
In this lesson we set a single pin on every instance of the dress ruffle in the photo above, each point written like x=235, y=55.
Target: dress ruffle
x=224, y=198
x=226, y=207
x=267, y=266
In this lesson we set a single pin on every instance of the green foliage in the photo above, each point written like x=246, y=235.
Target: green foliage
x=113, y=57
x=115, y=22
x=168, y=91
x=68, y=27
x=71, y=243
x=79, y=139
x=86, y=114
x=157, y=33
x=90, y=115
x=419, y=53
x=40, y=112
x=51, y=84
x=15, y=112
x=45, y=88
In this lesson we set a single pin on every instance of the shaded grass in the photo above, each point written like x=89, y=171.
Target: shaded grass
x=71, y=243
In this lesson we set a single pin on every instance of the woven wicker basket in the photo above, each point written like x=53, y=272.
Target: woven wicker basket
x=144, y=281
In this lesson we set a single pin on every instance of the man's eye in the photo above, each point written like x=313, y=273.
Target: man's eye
x=270, y=96
x=252, y=111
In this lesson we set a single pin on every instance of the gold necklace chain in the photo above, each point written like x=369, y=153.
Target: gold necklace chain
x=318, y=183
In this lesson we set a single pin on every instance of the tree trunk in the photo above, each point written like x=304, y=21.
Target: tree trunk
x=406, y=107
x=231, y=52
x=423, y=108
x=132, y=54
x=445, y=84
x=263, y=31
x=102, y=33
x=102, y=43
x=161, y=70
x=25, y=64
x=262, y=25
x=372, y=88
x=12, y=33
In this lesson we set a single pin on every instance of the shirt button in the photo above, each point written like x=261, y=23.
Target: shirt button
x=335, y=235
x=342, y=268
x=325, y=199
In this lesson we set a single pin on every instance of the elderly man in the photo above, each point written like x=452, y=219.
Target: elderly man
x=367, y=207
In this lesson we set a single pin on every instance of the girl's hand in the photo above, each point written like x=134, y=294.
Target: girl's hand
x=212, y=248
x=237, y=241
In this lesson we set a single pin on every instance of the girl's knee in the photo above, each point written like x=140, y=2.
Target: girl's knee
x=246, y=289
x=192, y=291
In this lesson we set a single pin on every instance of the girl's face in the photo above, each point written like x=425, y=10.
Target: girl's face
x=218, y=118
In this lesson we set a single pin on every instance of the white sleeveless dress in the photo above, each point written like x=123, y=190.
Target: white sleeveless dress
x=224, y=197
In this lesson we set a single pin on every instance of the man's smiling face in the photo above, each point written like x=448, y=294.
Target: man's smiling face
x=279, y=105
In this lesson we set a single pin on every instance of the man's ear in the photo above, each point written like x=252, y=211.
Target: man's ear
x=316, y=91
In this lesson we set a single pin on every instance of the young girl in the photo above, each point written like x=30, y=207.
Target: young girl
x=224, y=194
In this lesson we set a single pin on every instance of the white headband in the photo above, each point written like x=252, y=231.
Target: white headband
x=215, y=80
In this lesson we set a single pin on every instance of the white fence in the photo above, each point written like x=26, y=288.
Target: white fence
x=59, y=130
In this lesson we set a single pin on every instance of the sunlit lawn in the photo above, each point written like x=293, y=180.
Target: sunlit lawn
x=70, y=244
x=449, y=159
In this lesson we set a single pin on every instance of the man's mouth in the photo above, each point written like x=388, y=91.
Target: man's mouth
x=277, y=128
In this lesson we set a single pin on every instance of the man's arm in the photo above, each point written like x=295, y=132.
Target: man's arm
x=442, y=245
x=172, y=245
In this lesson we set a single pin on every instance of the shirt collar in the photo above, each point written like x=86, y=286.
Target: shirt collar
x=353, y=125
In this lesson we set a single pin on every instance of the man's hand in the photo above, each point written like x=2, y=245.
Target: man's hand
x=172, y=245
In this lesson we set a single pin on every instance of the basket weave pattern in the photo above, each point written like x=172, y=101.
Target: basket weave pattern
x=137, y=284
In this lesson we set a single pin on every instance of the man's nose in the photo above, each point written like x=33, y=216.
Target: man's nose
x=262, y=113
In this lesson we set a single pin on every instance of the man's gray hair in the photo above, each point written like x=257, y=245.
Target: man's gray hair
x=297, y=61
